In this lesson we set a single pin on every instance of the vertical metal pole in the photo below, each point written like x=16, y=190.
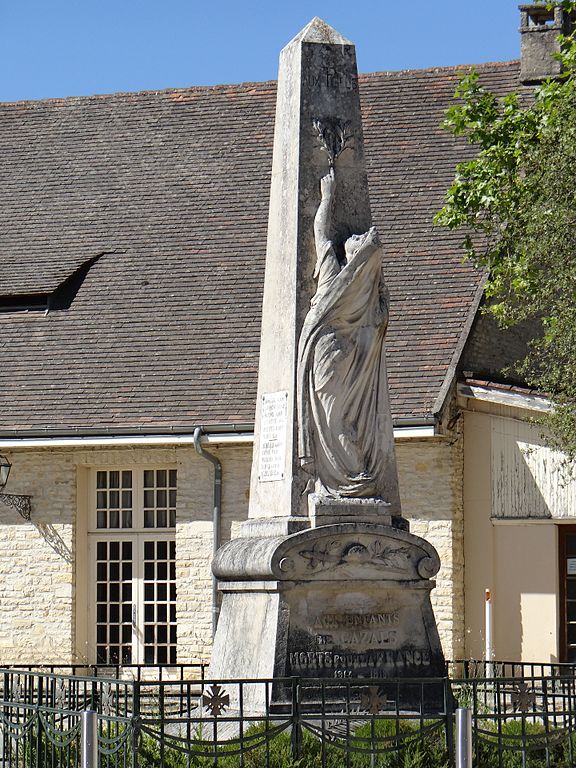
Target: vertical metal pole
x=463, y=738
x=489, y=651
x=135, y=722
x=89, y=739
x=449, y=722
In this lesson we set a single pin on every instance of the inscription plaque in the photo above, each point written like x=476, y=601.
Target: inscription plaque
x=374, y=630
x=273, y=423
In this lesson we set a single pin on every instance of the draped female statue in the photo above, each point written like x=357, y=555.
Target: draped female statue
x=344, y=421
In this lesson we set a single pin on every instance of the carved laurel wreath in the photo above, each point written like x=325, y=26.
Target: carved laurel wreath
x=334, y=136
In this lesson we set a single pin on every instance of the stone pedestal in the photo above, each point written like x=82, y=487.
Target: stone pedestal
x=339, y=601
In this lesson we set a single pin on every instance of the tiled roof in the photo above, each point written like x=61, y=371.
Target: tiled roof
x=172, y=187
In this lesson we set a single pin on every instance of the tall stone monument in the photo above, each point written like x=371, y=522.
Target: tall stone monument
x=324, y=579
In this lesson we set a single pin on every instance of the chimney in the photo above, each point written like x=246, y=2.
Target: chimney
x=539, y=30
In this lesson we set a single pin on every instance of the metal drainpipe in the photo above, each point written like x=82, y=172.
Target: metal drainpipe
x=217, y=495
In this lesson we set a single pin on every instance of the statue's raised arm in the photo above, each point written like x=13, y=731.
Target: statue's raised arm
x=327, y=265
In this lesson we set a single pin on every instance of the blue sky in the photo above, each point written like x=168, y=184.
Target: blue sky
x=58, y=48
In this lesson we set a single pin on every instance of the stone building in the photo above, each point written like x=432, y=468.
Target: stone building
x=132, y=242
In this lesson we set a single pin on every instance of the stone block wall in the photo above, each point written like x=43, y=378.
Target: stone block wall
x=44, y=582
x=431, y=487
x=36, y=561
x=43, y=563
x=194, y=541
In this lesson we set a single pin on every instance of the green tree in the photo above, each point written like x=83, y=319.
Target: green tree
x=516, y=204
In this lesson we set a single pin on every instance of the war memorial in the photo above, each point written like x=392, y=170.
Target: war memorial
x=324, y=579
x=327, y=650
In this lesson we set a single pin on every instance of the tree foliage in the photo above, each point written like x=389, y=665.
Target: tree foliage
x=516, y=203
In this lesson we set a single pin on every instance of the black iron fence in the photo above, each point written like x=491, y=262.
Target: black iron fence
x=522, y=715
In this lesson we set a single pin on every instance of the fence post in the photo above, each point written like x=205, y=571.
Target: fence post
x=89, y=739
x=135, y=722
x=449, y=713
x=463, y=738
x=296, y=727
x=39, y=694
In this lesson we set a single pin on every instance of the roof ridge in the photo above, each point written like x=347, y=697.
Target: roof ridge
x=447, y=68
x=249, y=84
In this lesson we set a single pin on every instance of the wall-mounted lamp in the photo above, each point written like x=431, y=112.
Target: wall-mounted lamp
x=20, y=503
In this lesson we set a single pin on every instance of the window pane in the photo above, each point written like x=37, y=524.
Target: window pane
x=571, y=544
x=160, y=619
x=114, y=609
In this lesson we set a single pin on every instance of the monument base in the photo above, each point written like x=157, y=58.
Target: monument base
x=324, y=510
x=350, y=600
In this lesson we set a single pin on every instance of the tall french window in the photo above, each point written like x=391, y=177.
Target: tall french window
x=132, y=554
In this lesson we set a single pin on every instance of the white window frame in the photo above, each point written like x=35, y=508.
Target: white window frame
x=138, y=535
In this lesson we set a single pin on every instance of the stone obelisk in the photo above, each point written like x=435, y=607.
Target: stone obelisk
x=324, y=579
x=317, y=93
